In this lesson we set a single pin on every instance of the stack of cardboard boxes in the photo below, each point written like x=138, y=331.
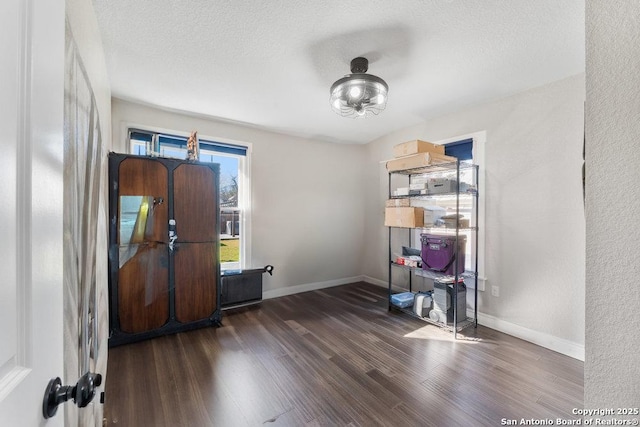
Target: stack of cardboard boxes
x=411, y=155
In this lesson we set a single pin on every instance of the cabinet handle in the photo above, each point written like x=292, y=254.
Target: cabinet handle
x=173, y=235
x=157, y=201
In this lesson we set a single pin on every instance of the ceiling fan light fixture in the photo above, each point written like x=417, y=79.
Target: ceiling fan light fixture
x=359, y=94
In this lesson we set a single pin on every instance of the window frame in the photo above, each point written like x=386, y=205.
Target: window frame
x=478, y=158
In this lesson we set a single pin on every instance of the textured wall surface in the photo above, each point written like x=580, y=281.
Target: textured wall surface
x=612, y=204
x=534, y=219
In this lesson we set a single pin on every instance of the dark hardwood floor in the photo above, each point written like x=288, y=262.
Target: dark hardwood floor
x=336, y=357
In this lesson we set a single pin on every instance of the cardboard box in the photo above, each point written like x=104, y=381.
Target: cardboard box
x=397, y=203
x=407, y=217
x=415, y=147
x=418, y=161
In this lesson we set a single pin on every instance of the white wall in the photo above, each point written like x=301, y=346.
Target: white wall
x=83, y=25
x=612, y=205
x=307, y=197
x=534, y=219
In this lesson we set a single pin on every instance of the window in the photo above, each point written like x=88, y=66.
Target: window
x=463, y=149
x=470, y=148
x=234, y=185
x=449, y=203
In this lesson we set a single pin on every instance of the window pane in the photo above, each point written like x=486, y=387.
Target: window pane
x=230, y=215
x=174, y=153
x=228, y=181
x=139, y=147
x=229, y=250
x=463, y=150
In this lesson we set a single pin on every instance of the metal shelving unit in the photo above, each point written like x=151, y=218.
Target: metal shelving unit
x=463, y=173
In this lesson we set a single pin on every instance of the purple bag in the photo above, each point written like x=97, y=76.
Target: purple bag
x=439, y=253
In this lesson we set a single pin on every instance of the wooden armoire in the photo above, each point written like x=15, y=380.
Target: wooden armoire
x=164, y=269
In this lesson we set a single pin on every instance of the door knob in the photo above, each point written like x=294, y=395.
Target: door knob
x=82, y=393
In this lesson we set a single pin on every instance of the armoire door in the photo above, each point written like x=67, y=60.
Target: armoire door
x=142, y=233
x=196, y=211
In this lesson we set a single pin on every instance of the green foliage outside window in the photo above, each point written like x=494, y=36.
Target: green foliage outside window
x=230, y=250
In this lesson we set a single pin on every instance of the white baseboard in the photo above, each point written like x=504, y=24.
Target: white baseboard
x=290, y=290
x=377, y=282
x=566, y=347
x=560, y=345
x=381, y=283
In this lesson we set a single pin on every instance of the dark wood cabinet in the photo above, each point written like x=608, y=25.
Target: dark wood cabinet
x=159, y=285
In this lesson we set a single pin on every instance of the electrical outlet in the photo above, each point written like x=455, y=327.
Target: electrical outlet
x=495, y=291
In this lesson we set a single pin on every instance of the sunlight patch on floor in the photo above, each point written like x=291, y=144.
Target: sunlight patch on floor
x=428, y=332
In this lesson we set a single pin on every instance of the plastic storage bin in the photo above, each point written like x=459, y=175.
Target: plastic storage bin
x=402, y=300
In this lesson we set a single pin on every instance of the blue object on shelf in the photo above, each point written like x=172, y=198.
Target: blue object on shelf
x=402, y=300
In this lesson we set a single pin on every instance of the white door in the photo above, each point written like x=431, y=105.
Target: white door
x=31, y=153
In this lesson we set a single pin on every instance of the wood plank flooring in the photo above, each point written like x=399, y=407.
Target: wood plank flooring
x=336, y=357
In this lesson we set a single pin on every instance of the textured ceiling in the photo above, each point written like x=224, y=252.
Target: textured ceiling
x=271, y=63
